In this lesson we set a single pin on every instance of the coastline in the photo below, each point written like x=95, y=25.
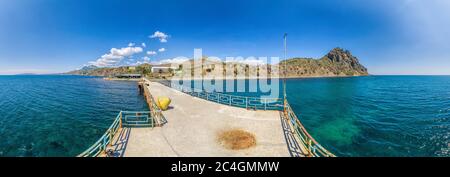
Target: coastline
x=119, y=79
x=220, y=77
x=253, y=77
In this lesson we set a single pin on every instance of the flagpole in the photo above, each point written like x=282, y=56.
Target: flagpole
x=285, y=73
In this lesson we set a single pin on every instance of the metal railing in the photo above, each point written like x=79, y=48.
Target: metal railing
x=313, y=148
x=154, y=109
x=228, y=99
x=151, y=118
x=123, y=119
x=138, y=119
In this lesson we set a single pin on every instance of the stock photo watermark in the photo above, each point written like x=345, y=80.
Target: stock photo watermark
x=232, y=74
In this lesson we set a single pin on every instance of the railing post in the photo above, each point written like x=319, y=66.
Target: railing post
x=110, y=137
x=229, y=99
x=295, y=124
x=246, y=102
x=120, y=119
x=153, y=119
x=104, y=145
x=309, y=145
x=265, y=104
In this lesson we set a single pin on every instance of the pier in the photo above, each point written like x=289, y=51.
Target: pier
x=191, y=125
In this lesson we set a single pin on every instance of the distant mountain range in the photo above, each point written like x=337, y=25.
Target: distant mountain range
x=338, y=62
x=26, y=74
x=97, y=71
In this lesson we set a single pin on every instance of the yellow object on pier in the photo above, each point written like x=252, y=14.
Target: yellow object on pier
x=163, y=103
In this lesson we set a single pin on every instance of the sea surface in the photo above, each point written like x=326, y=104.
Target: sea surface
x=365, y=116
x=350, y=116
x=376, y=115
x=55, y=115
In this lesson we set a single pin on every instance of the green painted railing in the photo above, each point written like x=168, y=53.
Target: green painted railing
x=231, y=100
x=138, y=119
x=123, y=119
x=313, y=148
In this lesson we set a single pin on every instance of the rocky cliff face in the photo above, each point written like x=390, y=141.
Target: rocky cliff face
x=338, y=62
x=345, y=62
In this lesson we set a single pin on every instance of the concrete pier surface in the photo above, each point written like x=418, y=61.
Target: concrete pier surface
x=193, y=127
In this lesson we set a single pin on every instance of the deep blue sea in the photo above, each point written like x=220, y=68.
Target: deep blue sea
x=59, y=115
x=352, y=116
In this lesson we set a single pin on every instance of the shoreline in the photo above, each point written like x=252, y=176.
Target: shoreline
x=119, y=79
x=245, y=78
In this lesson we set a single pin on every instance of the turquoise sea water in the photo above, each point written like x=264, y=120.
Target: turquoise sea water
x=376, y=115
x=59, y=115
x=355, y=116
x=373, y=115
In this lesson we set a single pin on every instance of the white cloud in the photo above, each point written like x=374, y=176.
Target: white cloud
x=151, y=53
x=115, y=56
x=144, y=60
x=127, y=51
x=131, y=44
x=160, y=35
x=144, y=45
x=248, y=61
x=139, y=63
x=162, y=50
x=176, y=60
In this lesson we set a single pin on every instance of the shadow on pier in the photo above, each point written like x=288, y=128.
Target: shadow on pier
x=292, y=144
x=119, y=145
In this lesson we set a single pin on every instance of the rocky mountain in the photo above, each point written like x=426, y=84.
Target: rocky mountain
x=338, y=62
x=88, y=68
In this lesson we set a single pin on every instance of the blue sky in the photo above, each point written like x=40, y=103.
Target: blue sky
x=389, y=37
